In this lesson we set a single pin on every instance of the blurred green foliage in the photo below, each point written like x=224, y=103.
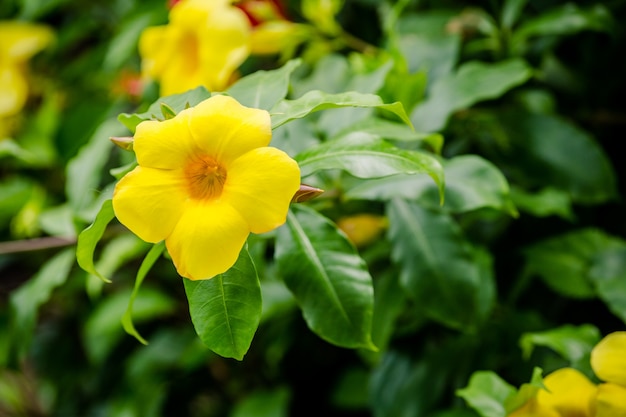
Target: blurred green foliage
x=522, y=266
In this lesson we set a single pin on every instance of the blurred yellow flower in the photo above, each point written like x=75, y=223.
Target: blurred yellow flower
x=533, y=409
x=203, y=44
x=568, y=392
x=610, y=400
x=206, y=179
x=362, y=229
x=20, y=41
x=608, y=358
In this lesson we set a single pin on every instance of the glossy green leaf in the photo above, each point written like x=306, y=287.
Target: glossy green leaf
x=127, y=320
x=486, y=393
x=314, y=101
x=573, y=343
x=263, y=89
x=608, y=274
x=473, y=82
x=174, y=102
x=472, y=182
x=226, y=309
x=386, y=129
x=440, y=270
x=89, y=238
x=26, y=300
x=328, y=278
x=563, y=261
x=366, y=156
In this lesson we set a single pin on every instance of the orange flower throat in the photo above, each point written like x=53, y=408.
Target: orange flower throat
x=205, y=178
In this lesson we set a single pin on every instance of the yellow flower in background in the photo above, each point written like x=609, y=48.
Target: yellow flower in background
x=19, y=42
x=568, y=392
x=206, y=179
x=362, y=229
x=608, y=360
x=203, y=44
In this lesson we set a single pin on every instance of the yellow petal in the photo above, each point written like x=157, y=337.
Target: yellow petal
x=150, y=202
x=608, y=358
x=13, y=90
x=21, y=40
x=362, y=229
x=611, y=401
x=533, y=409
x=569, y=392
x=223, y=35
x=275, y=36
x=225, y=129
x=152, y=48
x=260, y=185
x=207, y=239
x=164, y=145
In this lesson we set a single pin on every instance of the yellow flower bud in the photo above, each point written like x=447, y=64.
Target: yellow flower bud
x=569, y=392
x=362, y=229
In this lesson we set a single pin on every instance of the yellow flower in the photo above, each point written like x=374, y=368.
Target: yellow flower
x=608, y=358
x=206, y=179
x=276, y=36
x=569, y=392
x=20, y=41
x=611, y=400
x=533, y=409
x=203, y=44
x=362, y=229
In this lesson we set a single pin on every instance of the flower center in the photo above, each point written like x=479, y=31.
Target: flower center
x=205, y=178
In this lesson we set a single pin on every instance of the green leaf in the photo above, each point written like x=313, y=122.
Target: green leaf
x=174, y=102
x=328, y=278
x=534, y=156
x=440, y=270
x=84, y=171
x=472, y=82
x=226, y=309
x=471, y=183
x=263, y=89
x=543, y=203
x=486, y=393
x=563, y=261
x=26, y=300
x=564, y=20
x=314, y=101
x=366, y=156
x=264, y=403
x=89, y=238
x=511, y=11
x=386, y=129
x=608, y=274
x=127, y=320
x=102, y=329
x=525, y=392
x=573, y=343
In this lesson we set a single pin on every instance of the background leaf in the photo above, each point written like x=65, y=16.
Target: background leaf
x=314, y=101
x=471, y=183
x=471, y=83
x=263, y=89
x=226, y=309
x=441, y=271
x=89, y=238
x=328, y=279
x=486, y=393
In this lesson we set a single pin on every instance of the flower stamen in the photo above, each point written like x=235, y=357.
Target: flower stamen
x=205, y=178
